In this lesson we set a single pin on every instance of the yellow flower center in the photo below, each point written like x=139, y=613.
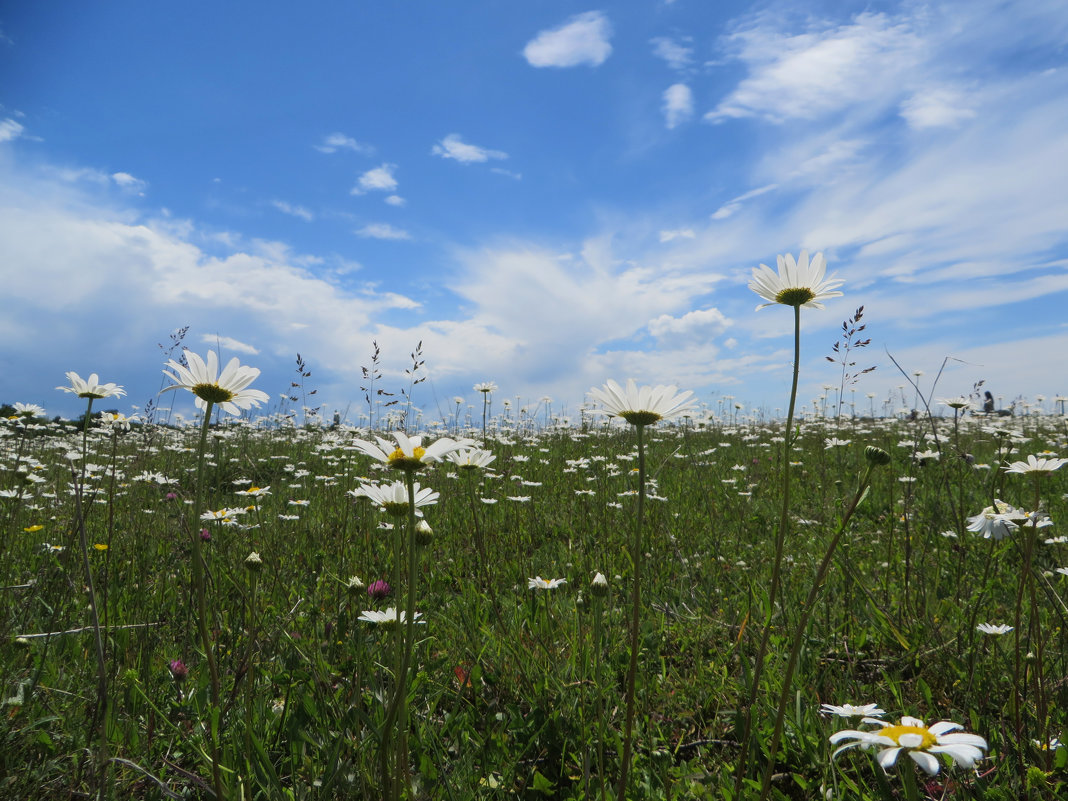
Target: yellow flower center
x=399, y=460
x=896, y=732
x=795, y=296
x=212, y=393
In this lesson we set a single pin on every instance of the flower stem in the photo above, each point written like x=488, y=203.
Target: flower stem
x=802, y=627
x=776, y=570
x=637, y=551
x=202, y=607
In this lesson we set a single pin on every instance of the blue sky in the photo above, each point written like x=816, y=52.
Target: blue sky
x=547, y=195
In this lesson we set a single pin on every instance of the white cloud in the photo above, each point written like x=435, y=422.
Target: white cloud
x=734, y=204
x=678, y=104
x=677, y=56
x=936, y=108
x=9, y=129
x=338, y=141
x=696, y=326
x=379, y=179
x=811, y=74
x=395, y=200
x=227, y=343
x=679, y=233
x=127, y=182
x=452, y=147
x=382, y=231
x=583, y=39
x=295, y=211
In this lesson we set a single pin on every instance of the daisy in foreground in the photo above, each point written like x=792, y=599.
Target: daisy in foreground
x=800, y=283
x=642, y=406
x=923, y=744
x=227, y=390
x=1036, y=465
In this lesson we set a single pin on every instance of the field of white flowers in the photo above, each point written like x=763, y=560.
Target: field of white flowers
x=652, y=602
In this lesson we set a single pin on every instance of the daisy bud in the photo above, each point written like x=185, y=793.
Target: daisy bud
x=423, y=533
x=253, y=561
x=599, y=585
x=876, y=456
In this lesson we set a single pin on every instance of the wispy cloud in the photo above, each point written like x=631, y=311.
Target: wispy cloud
x=678, y=104
x=378, y=179
x=583, y=39
x=936, y=108
x=228, y=344
x=382, y=231
x=678, y=233
x=453, y=147
x=127, y=182
x=294, y=211
x=9, y=129
x=339, y=141
x=806, y=75
x=735, y=203
x=678, y=56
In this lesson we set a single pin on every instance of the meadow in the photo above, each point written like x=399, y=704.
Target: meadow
x=514, y=690
x=657, y=600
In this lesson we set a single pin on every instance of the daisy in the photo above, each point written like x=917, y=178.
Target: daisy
x=393, y=498
x=990, y=628
x=485, y=387
x=641, y=406
x=798, y=283
x=956, y=403
x=538, y=583
x=470, y=458
x=994, y=522
x=227, y=390
x=920, y=742
x=1036, y=465
x=91, y=387
x=850, y=711
x=409, y=453
x=389, y=618
x=28, y=410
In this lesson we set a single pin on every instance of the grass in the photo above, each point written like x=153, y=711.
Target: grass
x=515, y=693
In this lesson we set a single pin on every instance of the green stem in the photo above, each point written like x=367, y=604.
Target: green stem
x=199, y=568
x=100, y=714
x=637, y=553
x=802, y=627
x=776, y=570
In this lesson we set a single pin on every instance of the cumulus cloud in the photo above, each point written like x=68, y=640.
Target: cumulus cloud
x=452, y=147
x=9, y=129
x=294, y=211
x=382, y=231
x=583, y=39
x=379, y=179
x=338, y=141
x=228, y=344
x=678, y=104
x=694, y=326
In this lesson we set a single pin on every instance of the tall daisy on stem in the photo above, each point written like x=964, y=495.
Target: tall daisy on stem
x=797, y=284
x=409, y=456
x=640, y=407
x=228, y=390
x=91, y=389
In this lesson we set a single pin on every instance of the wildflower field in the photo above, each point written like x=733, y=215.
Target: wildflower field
x=654, y=600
